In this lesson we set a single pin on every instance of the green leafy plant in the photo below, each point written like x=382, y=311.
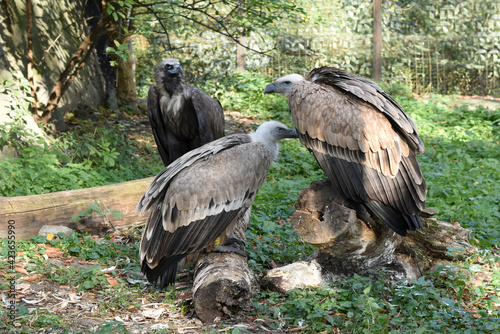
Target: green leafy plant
x=90, y=278
x=95, y=207
x=78, y=159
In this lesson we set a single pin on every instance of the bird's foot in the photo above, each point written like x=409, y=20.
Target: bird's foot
x=233, y=245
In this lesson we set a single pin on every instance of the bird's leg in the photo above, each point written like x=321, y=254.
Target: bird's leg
x=232, y=245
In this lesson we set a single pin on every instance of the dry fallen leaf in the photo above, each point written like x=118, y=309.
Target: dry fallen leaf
x=152, y=313
x=31, y=278
x=23, y=286
x=20, y=269
x=112, y=281
x=53, y=252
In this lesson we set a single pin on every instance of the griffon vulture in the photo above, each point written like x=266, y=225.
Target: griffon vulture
x=182, y=117
x=200, y=196
x=363, y=140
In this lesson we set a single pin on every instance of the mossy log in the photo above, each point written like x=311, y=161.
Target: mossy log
x=348, y=245
x=30, y=213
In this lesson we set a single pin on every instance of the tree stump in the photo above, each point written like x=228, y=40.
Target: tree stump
x=224, y=285
x=348, y=245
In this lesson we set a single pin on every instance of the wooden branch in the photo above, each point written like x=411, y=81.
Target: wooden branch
x=347, y=245
x=30, y=213
x=224, y=285
x=29, y=14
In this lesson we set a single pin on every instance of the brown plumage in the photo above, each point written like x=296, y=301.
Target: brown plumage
x=200, y=196
x=182, y=117
x=362, y=139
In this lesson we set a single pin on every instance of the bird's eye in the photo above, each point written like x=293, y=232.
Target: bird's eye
x=168, y=66
x=287, y=83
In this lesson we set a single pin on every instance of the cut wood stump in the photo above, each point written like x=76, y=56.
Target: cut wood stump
x=347, y=245
x=224, y=285
x=30, y=213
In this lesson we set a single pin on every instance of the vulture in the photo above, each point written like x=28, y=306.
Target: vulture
x=364, y=142
x=182, y=117
x=200, y=196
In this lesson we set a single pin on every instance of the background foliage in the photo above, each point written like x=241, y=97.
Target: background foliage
x=441, y=46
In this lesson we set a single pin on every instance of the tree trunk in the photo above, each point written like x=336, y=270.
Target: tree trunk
x=377, y=40
x=29, y=74
x=241, y=52
x=347, y=245
x=126, y=92
x=74, y=66
x=30, y=213
x=224, y=285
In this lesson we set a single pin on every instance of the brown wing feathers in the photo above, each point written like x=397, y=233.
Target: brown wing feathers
x=188, y=212
x=368, y=91
x=209, y=114
x=364, y=142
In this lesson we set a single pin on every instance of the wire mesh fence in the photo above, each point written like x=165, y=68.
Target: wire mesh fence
x=446, y=46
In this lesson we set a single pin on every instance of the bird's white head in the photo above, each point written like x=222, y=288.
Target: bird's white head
x=283, y=85
x=171, y=65
x=269, y=133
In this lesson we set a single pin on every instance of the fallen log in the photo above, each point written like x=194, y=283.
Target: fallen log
x=30, y=213
x=347, y=245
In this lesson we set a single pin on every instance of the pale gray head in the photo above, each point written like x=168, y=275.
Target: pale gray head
x=170, y=65
x=269, y=133
x=283, y=85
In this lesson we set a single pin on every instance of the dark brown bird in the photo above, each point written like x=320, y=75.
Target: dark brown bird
x=200, y=196
x=182, y=117
x=363, y=140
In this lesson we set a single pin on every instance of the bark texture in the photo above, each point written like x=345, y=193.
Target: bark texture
x=347, y=245
x=224, y=285
x=30, y=213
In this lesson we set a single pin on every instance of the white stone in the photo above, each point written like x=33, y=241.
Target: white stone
x=294, y=276
x=46, y=229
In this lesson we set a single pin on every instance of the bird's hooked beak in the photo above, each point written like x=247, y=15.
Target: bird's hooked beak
x=176, y=69
x=270, y=88
x=289, y=133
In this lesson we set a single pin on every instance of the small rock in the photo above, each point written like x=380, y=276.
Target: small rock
x=47, y=229
x=293, y=276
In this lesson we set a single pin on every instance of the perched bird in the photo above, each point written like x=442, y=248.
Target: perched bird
x=200, y=196
x=363, y=140
x=182, y=117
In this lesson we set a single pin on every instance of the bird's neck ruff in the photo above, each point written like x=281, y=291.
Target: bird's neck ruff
x=268, y=140
x=272, y=146
x=173, y=83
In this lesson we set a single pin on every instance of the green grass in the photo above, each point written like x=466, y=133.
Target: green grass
x=91, y=154
x=438, y=303
x=461, y=164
